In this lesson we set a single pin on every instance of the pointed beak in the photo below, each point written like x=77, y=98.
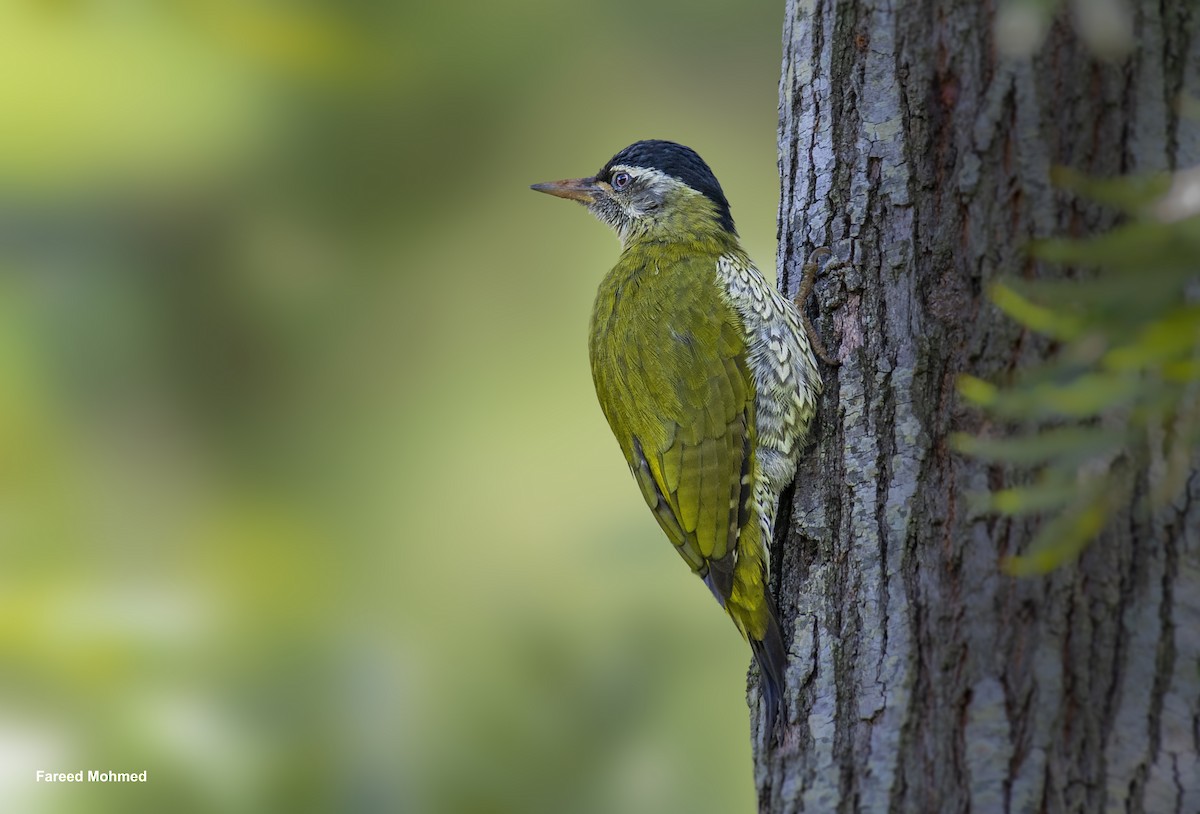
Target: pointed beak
x=585, y=190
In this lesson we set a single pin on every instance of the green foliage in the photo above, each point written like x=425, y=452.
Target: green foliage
x=261, y=265
x=1120, y=393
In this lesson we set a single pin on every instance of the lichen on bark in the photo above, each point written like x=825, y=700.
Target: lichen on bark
x=922, y=678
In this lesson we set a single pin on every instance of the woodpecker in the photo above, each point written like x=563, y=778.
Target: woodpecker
x=706, y=374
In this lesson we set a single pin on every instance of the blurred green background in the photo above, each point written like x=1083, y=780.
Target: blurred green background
x=305, y=500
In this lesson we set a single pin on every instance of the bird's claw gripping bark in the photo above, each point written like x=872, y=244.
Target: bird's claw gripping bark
x=808, y=276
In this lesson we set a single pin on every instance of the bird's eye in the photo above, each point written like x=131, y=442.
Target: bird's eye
x=620, y=180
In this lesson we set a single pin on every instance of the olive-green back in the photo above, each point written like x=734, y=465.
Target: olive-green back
x=669, y=362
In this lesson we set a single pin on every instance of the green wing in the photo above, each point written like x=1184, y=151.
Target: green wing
x=669, y=363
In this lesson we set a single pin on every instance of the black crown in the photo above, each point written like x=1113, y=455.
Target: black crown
x=678, y=162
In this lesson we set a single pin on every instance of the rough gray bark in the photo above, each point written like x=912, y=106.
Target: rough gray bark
x=922, y=679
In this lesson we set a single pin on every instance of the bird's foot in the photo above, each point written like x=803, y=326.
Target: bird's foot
x=808, y=277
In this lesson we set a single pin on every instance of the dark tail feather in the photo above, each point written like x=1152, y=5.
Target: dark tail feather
x=772, y=664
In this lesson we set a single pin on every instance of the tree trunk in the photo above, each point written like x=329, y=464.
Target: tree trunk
x=922, y=678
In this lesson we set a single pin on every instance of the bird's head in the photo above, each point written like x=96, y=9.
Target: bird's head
x=656, y=190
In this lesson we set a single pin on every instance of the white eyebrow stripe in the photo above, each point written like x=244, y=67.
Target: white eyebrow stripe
x=654, y=176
